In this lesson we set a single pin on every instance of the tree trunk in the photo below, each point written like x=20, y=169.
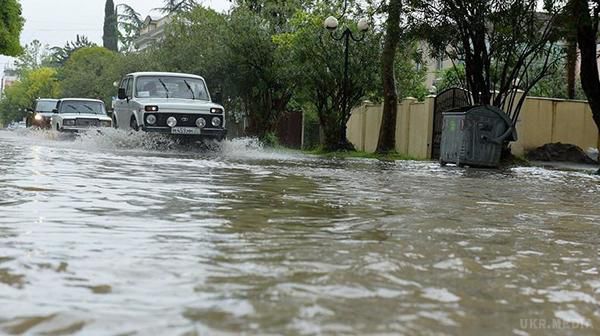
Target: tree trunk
x=571, y=66
x=387, y=132
x=586, y=38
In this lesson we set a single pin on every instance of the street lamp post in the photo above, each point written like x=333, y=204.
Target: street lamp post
x=331, y=23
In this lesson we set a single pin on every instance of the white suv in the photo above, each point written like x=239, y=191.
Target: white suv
x=171, y=103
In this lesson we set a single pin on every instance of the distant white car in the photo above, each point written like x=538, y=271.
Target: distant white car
x=16, y=125
x=78, y=114
x=169, y=103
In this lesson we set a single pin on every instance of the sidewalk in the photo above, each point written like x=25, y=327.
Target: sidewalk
x=581, y=167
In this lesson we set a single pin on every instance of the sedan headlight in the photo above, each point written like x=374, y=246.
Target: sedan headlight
x=172, y=122
x=216, y=121
x=69, y=122
x=151, y=119
x=105, y=123
x=200, y=122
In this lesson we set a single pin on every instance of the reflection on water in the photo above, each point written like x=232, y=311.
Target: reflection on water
x=114, y=234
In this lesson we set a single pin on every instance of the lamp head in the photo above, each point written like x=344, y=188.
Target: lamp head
x=363, y=25
x=331, y=23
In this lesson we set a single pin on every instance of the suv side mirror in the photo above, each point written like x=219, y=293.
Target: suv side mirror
x=109, y=113
x=122, y=94
x=54, y=110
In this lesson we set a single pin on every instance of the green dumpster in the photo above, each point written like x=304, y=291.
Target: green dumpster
x=474, y=135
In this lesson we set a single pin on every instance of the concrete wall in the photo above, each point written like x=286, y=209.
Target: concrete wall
x=541, y=121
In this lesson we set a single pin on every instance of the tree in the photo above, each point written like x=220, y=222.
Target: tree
x=129, y=24
x=34, y=56
x=90, y=73
x=317, y=65
x=110, y=38
x=387, y=133
x=11, y=24
x=60, y=55
x=262, y=73
x=586, y=19
x=410, y=75
x=504, y=45
x=177, y=6
x=34, y=83
x=276, y=11
x=195, y=43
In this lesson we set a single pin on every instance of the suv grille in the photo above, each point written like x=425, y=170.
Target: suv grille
x=185, y=120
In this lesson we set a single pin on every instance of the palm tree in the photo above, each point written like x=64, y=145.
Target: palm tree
x=60, y=55
x=177, y=6
x=130, y=24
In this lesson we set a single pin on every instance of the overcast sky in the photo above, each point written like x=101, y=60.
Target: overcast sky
x=55, y=22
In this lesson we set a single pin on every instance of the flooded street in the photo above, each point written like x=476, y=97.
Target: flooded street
x=120, y=235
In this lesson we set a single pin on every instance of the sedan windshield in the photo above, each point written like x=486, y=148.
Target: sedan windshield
x=82, y=107
x=45, y=106
x=171, y=87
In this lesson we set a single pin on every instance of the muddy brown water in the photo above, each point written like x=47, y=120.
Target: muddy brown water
x=132, y=235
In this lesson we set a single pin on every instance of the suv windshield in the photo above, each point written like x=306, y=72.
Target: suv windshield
x=82, y=107
x=171, y=87
x=45, y=106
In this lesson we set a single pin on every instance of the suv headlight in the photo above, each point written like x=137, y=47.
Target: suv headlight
x=38, y=117
x=105, y=123
x=216, y=121
x=151, y=119
x=69, y=122
x=200, y=122
x=171, y=121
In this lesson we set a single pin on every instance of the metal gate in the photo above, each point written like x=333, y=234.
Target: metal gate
x=289, y=129
x=446, y=100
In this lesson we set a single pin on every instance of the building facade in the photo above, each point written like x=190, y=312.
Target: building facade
x=152, y=32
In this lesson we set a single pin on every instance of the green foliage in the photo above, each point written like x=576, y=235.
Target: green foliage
x=503, y=43
x=410, y=81
x=36, y=83
x=11, y=24
x=317, y=61
x=270, y=139
x=90, y=73
x=177, y=6
x=111, y=36
x=129, y=25
x=60, y=55
x=34, y=56
x=451, y=77
x=195, y=43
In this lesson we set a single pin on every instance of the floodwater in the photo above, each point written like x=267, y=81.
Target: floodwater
x=132, y=235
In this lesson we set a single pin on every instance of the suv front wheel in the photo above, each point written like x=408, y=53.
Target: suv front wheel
x=133, y=124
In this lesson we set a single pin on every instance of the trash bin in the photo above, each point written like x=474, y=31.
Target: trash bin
x=473, y=136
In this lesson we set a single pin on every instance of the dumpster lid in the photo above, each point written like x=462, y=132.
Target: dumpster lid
x=497, y=111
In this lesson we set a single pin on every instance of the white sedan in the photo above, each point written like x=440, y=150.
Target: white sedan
x=78, y=114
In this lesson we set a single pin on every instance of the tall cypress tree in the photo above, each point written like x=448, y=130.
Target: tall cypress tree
x=111, y=35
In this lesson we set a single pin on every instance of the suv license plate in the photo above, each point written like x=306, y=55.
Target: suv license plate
x=185, y=130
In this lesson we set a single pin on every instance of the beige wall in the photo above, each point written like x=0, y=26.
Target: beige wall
x=541, y=121
x=414, y=127
x=544, y=120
